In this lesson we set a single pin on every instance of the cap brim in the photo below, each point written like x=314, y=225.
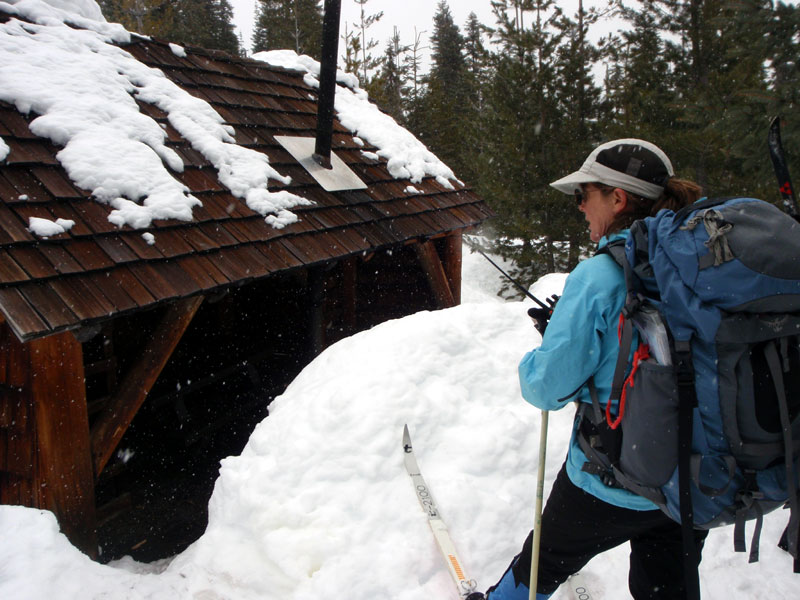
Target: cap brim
x=573, y=181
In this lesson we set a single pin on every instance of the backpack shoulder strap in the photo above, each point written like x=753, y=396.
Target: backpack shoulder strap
x=616, y=250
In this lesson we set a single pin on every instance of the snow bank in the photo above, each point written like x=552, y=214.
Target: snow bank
x=319, y=503
x=84, y=89
x=407, y=157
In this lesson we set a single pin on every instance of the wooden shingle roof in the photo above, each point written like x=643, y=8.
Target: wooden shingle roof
x=97, y=270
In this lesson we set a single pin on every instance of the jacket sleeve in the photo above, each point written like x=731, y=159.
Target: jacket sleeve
x=571, y=350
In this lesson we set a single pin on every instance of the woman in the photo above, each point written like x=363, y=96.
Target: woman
x=621, y=181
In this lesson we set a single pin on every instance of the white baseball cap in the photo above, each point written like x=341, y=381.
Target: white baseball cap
x=633, y=165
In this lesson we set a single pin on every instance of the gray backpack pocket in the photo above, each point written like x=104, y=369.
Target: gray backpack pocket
x=649, y=451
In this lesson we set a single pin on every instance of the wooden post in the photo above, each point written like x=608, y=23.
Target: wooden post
x=112, y=423
x=48, y=461
x=16, y=437
x=349, y=294
x=63, y=477
x=316, y=309
x=453, y=246
x=437, y=279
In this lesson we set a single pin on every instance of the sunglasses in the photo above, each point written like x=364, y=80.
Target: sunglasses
x=581, y=196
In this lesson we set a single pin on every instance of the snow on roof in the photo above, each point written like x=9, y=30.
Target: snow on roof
x=407, y=157
x=45, y=227
x=85, y=89
x=85, y=14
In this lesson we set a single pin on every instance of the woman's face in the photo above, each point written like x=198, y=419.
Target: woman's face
x=600, y=208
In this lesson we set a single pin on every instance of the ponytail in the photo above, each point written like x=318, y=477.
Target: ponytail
x=677, y=194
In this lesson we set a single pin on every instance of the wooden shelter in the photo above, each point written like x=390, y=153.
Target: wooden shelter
x=99, y=327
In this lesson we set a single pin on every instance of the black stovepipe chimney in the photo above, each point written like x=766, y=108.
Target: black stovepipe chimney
x=327, y=82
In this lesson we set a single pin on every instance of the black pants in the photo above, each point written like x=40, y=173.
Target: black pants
x=577, y=526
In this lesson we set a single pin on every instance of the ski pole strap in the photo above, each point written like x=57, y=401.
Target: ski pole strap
x=687, y=400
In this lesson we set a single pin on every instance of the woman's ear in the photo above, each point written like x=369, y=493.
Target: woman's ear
x=619, y=200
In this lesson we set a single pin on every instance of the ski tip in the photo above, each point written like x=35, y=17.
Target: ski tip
x=406, y=438
x=774, y=132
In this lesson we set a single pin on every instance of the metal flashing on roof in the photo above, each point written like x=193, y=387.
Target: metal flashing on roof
x=339, y=177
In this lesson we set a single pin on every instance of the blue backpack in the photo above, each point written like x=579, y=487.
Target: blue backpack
x=709, y=406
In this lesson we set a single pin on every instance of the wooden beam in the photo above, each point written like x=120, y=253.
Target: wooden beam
x=434, y=271
x=112, y=423
x=45, y=455
x=63, y=479
x=453, y=249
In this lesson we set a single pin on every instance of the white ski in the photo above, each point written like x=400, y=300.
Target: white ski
x=577, y=588
x=466, y=587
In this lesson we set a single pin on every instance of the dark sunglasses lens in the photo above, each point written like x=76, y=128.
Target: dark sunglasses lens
x=579, y=198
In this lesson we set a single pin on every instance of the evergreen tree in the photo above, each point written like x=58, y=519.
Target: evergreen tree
x=289, y=24
x=476, y=78
x=475, y=53
x=707, y=80
x=444, y=107
x=352, y=52
x=389, y=89
x=413, y=67
x=368, y=63
x=718, y=90
x=639, y=82
x=770, y=50
x=520, y=154
x=582, y=112
x=205, y=23
x=149, y=17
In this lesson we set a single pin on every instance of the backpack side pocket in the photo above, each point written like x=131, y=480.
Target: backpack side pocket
x=649, y=453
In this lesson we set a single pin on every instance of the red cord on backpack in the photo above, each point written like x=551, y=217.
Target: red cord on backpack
x=642, y=353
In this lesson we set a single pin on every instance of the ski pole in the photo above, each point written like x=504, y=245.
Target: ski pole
x=512, y=280
x=537, y=521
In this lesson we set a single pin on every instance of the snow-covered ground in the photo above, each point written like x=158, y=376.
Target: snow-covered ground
x=319, y=505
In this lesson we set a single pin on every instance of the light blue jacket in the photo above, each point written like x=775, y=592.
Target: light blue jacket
x=580, y=342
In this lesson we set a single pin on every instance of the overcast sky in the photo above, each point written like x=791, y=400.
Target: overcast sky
x=405, y=15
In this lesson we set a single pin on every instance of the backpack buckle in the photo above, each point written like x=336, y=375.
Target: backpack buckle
x=632, y=305
x=606, y=475
x=609, y=480
x=684, y=371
